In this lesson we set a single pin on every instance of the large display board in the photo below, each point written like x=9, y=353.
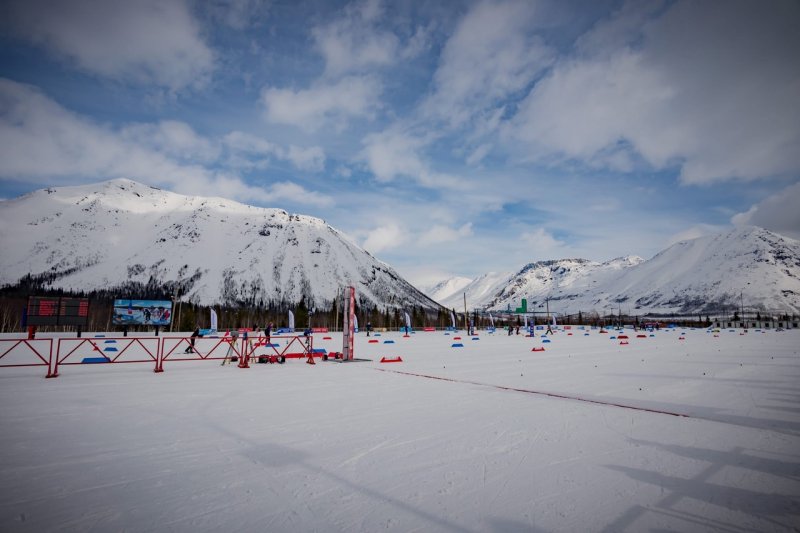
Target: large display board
x=57, y=311
x=142, y=313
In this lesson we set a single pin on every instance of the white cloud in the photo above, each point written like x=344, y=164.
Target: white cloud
x=354, y=41
x=714, y=91
x=779, y=213
x=321, y=104
x=392, y=154
x=239, y=141
x=478, y=154
x=543, y=242
x=238, y=14
x=311, y=159
x=583, y=108
x=145, y=41
x=41, y=142
x=173, y=138
x=385, y=237
x=417, y=43
x=250, y=151
x=491, y=55
x=438, y=234
x=289, y=191
x=604, y=205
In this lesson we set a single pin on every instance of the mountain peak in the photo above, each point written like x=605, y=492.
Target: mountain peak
x=121, y=235
x=747, y=266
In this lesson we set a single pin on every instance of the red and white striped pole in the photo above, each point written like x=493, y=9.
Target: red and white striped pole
x=349, y=330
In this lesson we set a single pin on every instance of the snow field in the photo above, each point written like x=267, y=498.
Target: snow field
x=346, y=447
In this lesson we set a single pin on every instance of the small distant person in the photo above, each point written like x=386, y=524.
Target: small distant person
x=192, y=339
x=549, y=330
x=268, y=333
x=517, y=332
x=369, y=328
x=510, y=330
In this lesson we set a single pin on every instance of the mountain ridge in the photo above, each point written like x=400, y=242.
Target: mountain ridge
x=746, y=267
x=122, y=234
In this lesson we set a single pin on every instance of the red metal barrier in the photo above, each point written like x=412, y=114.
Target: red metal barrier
x=112, y=350
x=27, y=352
x=213, y=349
x=105, y=350
x=305, y=345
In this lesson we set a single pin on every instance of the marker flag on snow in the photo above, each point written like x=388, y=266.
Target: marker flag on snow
x=491, y=319
x=408, y=320
x=213, y=320
x=291, y=320
x=355, y=323
x=453, y=319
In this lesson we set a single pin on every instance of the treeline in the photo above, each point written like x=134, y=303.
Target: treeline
x=186, y=316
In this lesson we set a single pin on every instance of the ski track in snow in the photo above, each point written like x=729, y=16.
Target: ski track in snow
x=341, y=447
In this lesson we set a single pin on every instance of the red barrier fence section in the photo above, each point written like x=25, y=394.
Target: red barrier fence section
x=105, y=350
x=27, y=352
x=214, y=348
x=296, y=347
x=154, y=350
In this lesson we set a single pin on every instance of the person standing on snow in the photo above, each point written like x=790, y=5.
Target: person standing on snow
x=268, y=333
x=195, y=334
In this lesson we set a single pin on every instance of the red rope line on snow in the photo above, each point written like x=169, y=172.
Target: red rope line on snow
x=540, y=393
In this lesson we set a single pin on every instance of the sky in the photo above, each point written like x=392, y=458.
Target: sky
x=446, y=138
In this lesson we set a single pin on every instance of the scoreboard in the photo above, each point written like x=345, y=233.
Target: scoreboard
x=57, y=311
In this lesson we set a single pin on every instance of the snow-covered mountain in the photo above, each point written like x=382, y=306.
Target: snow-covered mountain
x=749, y=267
x=122, y=234
x=446, y=288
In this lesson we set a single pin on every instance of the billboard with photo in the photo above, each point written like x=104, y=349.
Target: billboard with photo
x=142, y=313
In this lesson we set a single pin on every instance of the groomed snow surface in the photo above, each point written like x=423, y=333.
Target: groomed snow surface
x=363, y=447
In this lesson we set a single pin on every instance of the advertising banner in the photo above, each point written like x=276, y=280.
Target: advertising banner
x=142, y=313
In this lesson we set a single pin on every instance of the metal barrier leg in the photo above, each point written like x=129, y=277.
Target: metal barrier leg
x=246, y=349
x=160, y=357
x=52, y=369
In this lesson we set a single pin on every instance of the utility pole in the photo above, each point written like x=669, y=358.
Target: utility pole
x=547, y=301
x=336, y=305
x=466, y=316
x=174, y=300
x=741, y=299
